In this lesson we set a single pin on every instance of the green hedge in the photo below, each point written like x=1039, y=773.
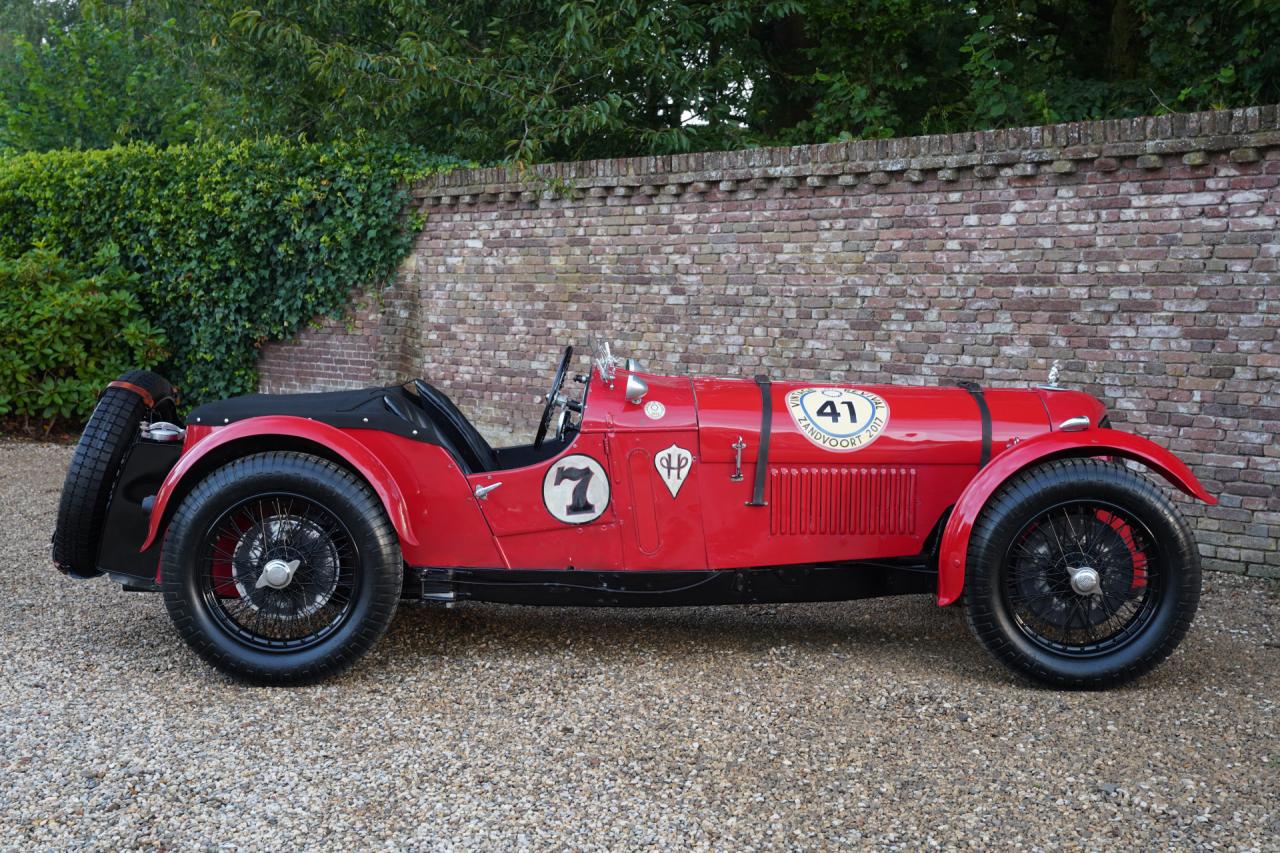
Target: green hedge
x=66, y=332
x=232, y=245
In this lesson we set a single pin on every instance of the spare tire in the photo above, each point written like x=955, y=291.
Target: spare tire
x=111, y=431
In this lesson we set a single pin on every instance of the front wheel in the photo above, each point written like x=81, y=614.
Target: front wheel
x=281, y=568
x=1081, y=574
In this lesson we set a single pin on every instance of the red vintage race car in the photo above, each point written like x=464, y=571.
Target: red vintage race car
x=284, y=529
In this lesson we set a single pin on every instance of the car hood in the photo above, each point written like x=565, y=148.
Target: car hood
x=855, y=424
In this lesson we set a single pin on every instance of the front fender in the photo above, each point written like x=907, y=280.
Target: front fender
x=954, y=548
x=335, y=440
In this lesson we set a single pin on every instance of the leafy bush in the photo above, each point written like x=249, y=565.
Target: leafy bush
x=65, y=333
x=232, y=244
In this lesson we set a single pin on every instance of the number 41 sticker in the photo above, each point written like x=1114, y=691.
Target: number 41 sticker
x=838, y=419
x=575, y=489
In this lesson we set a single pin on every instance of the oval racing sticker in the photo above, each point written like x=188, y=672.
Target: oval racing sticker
x=576, y=489
x=655, y=410
x=838, y=419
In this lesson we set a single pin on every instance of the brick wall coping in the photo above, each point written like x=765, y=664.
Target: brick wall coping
x=1014, y=152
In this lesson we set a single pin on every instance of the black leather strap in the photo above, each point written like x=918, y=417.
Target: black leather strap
x=984, y=412
x=766, y=427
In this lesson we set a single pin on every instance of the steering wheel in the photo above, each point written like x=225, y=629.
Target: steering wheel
x=553, y=397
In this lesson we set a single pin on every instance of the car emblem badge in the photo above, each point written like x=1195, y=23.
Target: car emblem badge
x=654, y=410
x=838, y=419
x=673, y=466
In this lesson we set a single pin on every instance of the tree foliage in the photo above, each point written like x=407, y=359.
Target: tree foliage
x=549, y=79
x=94, y=76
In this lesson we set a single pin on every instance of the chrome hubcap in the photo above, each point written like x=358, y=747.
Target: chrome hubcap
x=277, y=574
x=1085, y=580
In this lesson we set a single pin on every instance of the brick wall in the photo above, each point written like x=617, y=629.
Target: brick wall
x=1141, y=252
x=329, y=355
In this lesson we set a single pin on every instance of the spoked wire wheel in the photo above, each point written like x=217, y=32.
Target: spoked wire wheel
x=1080, y=574
x=281, y=568
x=278, y=572
x=1082, y=578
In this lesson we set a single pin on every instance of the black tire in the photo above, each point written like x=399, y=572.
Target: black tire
x=1031, y=599
x=294, y=509
x=111, y=430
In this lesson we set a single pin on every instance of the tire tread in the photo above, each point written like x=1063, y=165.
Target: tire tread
x=993, y=523
x=95, y=465
x=382, y=556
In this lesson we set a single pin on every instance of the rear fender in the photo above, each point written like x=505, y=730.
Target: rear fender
x=954, y=548
x=302, y=430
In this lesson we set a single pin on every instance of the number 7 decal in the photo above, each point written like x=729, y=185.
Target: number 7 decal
x=579, y=505
x=575, y=489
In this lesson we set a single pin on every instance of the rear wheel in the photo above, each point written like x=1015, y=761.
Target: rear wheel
x=1081, y=574
x=281, y=568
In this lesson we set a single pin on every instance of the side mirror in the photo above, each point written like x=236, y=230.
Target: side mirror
x=636, y=389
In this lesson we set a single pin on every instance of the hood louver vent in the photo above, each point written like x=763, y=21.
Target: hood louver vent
x=842, y=501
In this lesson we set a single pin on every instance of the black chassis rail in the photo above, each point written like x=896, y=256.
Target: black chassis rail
x=688, y=588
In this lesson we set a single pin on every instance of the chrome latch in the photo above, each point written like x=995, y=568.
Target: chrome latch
x=738, y=446
x=482, y=492
x=162, y=431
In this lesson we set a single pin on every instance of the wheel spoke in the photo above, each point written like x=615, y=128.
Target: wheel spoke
x=1066, y=516
x=1054, y=530
x=1096, y=531
x=305, y=605
x=1039, y=585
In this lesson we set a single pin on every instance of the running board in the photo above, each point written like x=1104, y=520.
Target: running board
x=579, y=588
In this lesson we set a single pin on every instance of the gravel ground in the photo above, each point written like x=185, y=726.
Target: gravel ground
x=877, y=723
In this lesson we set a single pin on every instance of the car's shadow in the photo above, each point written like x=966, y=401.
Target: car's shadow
x=908, y=626
x=896, y=635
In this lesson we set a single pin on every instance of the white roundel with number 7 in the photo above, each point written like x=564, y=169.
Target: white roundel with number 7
x=838, y=419
x=576, y=489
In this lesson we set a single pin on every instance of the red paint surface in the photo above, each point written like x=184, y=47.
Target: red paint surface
x=661, y=531
x=419, y=485
x=878, y=501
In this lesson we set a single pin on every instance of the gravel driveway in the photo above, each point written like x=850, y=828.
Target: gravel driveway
x=490, y=727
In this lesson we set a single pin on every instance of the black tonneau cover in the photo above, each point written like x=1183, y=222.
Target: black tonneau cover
x=363, y=408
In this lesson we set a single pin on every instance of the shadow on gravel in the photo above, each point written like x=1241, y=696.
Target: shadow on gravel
x=911, y=628
x=904, y=634
x=899, y=632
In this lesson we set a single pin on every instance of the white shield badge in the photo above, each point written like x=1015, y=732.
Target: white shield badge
x=673, y=466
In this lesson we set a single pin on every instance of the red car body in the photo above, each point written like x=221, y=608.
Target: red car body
x=913, y=491
x=283, y=529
